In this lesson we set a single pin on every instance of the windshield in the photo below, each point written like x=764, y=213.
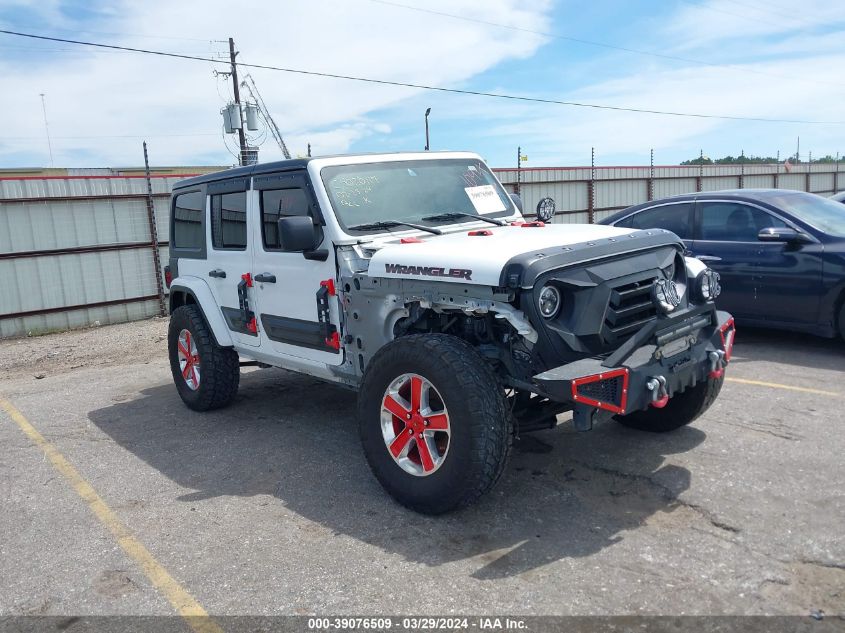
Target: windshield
x=413, y=191
x=824, y=214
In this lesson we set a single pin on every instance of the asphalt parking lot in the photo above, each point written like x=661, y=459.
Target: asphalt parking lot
x=268, y=507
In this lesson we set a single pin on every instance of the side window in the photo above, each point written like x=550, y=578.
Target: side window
x=228, y=221
x=672, y=217
x=188, y=210
x=280, y=203
x=734, y=221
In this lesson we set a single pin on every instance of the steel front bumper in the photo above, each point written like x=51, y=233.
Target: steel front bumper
x=665, y=358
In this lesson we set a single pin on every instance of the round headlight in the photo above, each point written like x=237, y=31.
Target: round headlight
x=549, y=301
x=708, y=285
x=665, y=295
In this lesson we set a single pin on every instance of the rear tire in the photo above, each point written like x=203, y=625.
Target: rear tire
x=461, y=464
x=681, y=409
x=209, y=378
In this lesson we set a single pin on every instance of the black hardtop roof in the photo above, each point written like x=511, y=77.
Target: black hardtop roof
x=244, y=172
x=275, y=166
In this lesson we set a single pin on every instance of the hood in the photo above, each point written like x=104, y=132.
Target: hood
x=479, y=259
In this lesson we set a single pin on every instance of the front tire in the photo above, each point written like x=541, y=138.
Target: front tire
x=205, y=374
x=681, y=409
x=433, y=422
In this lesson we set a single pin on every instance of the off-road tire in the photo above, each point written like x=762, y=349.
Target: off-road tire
x=681, y=409
x=219, y=366
x=481, y=423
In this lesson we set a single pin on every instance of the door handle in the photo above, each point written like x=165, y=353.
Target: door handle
x=265, y=278
x=709, y=258
x=220, y=274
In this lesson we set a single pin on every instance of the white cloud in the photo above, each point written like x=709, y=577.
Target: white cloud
x=789, y=76
x=94, y=94
x=710, y=23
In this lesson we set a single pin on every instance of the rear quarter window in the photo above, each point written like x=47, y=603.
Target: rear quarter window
x=188, y=228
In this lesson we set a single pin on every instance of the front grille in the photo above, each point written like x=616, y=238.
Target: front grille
x=630, y=307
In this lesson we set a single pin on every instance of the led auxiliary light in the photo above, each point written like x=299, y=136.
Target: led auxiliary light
x=665, y=294
x=549, y=301
x=707, y=284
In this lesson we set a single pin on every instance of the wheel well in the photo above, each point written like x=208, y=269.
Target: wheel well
x=495, y=339
x=180, y=297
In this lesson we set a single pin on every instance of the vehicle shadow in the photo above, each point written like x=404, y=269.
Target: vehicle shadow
x=565, y=494
x=790, y=348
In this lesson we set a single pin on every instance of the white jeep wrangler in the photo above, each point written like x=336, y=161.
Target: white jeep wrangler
x=414, y=279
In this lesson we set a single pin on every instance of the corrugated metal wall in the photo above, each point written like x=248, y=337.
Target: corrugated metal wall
x=75, y=249
x=584, y=193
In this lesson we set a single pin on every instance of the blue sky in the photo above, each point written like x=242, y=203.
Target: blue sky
x=761, y=58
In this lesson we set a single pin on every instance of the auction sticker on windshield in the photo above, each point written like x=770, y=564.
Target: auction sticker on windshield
x=485, y=199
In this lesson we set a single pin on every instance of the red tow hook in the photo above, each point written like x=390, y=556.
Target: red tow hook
x=718, y=360
x=660, y=403
x=659, y=396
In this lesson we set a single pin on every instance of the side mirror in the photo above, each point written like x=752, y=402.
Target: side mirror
x=297, y=234
x=517, y=201
x=781, y=234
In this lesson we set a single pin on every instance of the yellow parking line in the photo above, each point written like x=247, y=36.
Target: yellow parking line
x=775, y=385
x=184, y=603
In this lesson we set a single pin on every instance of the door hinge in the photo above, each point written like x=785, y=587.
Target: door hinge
x=247, y=317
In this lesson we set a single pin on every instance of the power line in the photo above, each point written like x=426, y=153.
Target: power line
x=399, y=84
x=624, y=49
x=97, y=136
x=704, y=7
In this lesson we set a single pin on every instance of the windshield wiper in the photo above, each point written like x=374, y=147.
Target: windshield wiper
x=394, y=223
x=454, y=215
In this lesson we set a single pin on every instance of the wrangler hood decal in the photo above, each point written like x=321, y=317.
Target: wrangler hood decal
x=459, y=257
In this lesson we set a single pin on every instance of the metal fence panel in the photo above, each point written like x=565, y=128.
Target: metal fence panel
x=665, y=187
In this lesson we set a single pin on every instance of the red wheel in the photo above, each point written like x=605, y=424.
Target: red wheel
x=415, y=425
x=189, y=360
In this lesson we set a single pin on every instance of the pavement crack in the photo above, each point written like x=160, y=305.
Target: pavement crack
x=817, y=563
x=782, y=436
x=668, y=494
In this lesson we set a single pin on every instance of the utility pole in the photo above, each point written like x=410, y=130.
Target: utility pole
x=241, y=135
x=518, y=169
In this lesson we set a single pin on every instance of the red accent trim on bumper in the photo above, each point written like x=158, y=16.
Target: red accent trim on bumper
x=728, y=334
x=480, y=232
x=410, y=240
x=613, y=373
